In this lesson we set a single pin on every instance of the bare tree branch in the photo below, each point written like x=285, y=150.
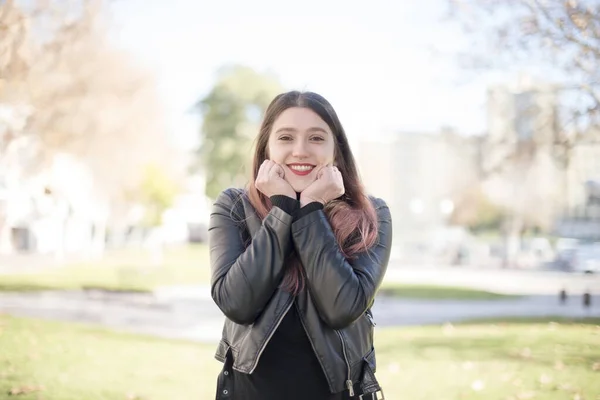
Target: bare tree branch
x=83, y=96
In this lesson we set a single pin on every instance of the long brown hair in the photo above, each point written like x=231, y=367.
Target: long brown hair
x=352, y=216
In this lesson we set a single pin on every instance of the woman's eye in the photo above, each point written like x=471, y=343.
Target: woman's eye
x=285, y=138
x=317, y=138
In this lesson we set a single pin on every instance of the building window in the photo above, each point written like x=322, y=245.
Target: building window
x=525, y=113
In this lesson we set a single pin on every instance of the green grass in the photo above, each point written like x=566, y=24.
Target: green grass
x=500, y=360
x=532, y=320
x=130, y=270
x=541, y=360
x=439, y=292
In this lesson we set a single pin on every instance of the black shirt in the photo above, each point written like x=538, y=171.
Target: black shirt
x=288, y=368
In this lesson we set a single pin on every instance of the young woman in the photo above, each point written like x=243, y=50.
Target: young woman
x=296, y=260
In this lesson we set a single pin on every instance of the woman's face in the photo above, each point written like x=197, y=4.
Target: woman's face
x=300, y=141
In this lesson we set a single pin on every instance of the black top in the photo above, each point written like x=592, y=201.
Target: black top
x=288, y=368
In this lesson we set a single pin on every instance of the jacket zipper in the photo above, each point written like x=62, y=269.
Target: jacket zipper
x=370, y=318
x=271, y=335
x=349, y=380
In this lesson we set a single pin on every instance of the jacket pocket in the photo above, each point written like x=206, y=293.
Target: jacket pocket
x=222, y=350
x=368, y=382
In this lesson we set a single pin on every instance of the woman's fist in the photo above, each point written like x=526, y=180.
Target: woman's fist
x=328, y=186
x=271, y=181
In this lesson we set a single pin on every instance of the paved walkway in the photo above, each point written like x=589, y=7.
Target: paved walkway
x=190, y=313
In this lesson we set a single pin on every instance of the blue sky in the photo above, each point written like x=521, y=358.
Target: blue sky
x=385, y=66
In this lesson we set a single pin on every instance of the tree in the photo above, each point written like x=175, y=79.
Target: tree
x=231, y=114
x=562, y=35
x=477, y=212
x=529, y=192
x=157, y=191
x=75, y=91
x=526, y=162
x=65, y=89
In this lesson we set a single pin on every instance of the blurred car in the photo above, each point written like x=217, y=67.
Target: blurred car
x=586, y=258
x=566, y=249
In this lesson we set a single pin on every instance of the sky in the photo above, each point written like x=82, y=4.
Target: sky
x=386, y=66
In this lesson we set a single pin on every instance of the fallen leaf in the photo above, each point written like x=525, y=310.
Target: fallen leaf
x=525, y=353
x=467, y=365
x=477, y=385
x=394, y=368
x=25, y=389
x=565, y=386
x=596, y=366
x=545, y=379
x=447, y=329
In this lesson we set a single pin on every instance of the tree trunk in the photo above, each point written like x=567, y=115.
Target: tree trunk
x=512, y=240
x=98, y=240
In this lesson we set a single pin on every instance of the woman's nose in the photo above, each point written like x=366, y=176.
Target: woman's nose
x=300, y=149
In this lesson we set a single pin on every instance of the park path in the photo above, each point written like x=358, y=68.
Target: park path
x=190, y=313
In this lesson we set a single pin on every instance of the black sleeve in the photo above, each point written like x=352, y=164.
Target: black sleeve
x=286, y=203
x=244, y=279
x=342, y=290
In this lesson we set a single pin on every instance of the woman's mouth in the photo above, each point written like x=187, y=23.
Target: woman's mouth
x=301, y=169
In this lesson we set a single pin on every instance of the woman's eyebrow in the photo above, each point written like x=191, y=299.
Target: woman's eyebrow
x=294, y=130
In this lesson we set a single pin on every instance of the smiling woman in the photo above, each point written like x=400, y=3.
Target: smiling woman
x=296, y=260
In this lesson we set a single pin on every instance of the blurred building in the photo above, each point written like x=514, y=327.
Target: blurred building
x=520, y=115
x=54, y=211
x=420, y=176
x=188, y=217
x=523, y=118
x=50, y=208
x=581, y=217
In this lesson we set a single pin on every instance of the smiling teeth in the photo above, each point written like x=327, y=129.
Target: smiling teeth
x=301, y=167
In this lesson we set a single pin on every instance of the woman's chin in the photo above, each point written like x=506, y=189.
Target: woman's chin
x=299, y=186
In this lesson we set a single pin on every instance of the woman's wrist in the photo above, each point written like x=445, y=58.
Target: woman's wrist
x=286, y=203
x=305, y=200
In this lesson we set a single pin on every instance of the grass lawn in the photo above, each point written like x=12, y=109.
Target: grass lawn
x=126, y=270
x=439, y=292
x=132, y=270
x=516, y=360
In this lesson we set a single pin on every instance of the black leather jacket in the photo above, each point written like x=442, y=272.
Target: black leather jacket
x=248, y=263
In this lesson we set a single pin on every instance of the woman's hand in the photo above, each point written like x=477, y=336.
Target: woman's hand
x=271, y=181
x=328, y=186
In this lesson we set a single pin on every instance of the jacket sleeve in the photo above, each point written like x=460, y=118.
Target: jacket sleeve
x=244, y=278
x=342, y=290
